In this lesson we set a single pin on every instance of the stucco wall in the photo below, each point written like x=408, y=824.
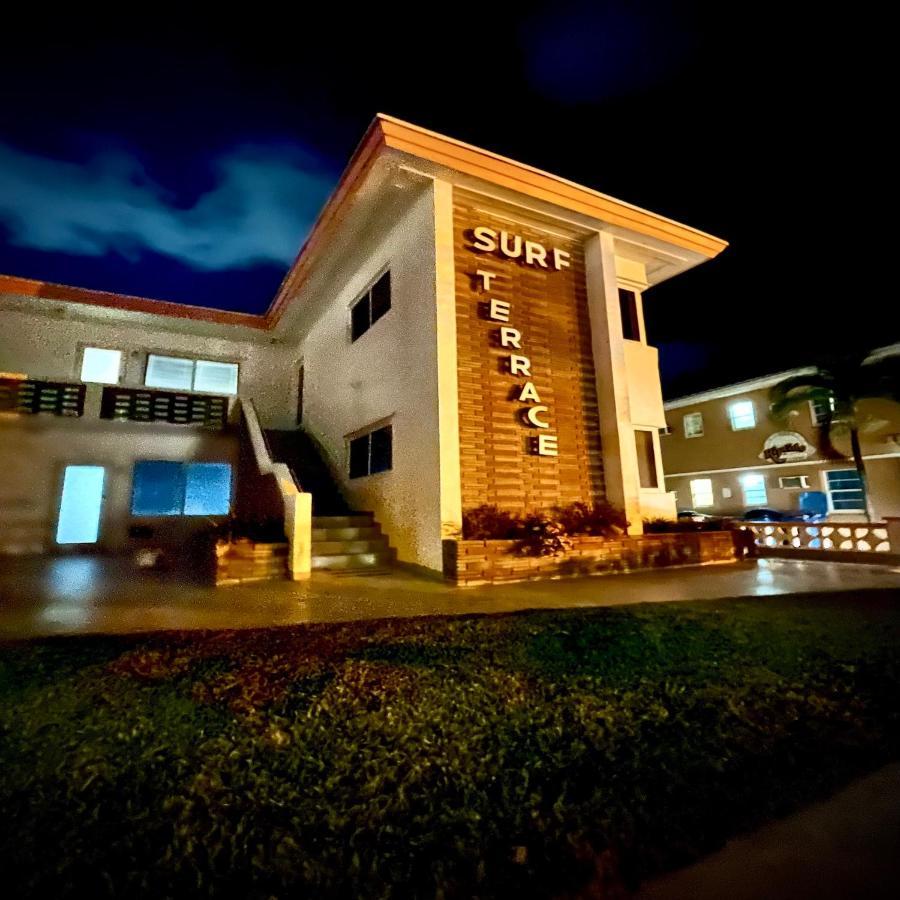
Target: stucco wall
x=389, y=373
x=34, y=451
x=49, y=346
x=739, y=451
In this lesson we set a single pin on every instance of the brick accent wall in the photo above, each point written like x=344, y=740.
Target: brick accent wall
x=549, y=308
x=469, y=563
x=244, y=561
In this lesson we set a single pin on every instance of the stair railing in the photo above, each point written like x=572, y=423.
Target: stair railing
x=297, y=503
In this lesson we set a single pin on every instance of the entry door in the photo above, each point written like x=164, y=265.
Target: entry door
x=80, y=505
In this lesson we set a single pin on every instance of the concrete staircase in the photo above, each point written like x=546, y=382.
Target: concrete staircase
x=352, y=544
x=343, y=541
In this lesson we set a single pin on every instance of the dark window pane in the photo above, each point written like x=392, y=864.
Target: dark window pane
x=157, y=489
x=382, y=450
x=381, y=297
x=631, y=330
x=646, y=459
x=359, y=456
x=359, y=318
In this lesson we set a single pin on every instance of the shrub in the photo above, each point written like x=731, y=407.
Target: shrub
x=490, y=523
x=600, y=519
x=542, y=535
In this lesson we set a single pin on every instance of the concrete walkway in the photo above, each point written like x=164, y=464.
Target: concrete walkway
x=845, y=847
x=92, y=594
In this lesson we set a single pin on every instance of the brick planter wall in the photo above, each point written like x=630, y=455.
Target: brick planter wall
x=244, y=561
x=491, y=562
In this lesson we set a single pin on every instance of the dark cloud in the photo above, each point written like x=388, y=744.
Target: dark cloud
x=262, y=203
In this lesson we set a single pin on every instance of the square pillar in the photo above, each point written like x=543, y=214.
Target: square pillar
x=617, y=442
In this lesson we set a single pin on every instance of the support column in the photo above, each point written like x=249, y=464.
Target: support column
x=617, y=444
x=448, y=379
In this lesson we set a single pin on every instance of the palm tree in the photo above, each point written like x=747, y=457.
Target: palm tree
x=837, y=386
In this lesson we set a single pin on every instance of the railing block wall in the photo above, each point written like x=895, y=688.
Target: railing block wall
x=861, y=537
x=32, y=396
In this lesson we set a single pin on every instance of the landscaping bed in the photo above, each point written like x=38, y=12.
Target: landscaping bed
x=533, y=754
x=469, y=563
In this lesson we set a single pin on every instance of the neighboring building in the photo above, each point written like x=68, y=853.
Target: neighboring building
x=724, y=454
x=458, y=329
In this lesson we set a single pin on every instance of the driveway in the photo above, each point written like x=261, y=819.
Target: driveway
x=92, y=594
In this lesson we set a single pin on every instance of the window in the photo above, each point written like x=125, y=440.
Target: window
x=646, y=455
x=371, y=453
x=180, y=489
x=742, y=415
x=101, y=366
x=754, y=487
x=80, y=505
x=821, y=409
x=693, y=425
x=702, y=492
x=631, y=326
x=178, y=373
x=793, y=482
x=845, y=490
x=369, y=308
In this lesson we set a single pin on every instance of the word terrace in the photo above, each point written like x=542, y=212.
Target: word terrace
x=545, y=443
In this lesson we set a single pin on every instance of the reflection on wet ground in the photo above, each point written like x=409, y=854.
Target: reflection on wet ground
x=91, y=594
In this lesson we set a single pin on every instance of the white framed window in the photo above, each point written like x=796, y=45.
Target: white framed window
x=100, y=365
x=845, y=490
x=742, y=415
x=702, y=492
x=369, y=308
x=754, y=488
x=793, y=482
x=184, y=374
x=693, y=425
x=372, y=452
x=820, y=410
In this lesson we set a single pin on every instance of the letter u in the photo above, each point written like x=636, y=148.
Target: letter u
x=504, y=244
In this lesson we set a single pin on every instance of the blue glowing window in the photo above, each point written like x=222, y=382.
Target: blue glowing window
x=207, y=489
x=175, y=489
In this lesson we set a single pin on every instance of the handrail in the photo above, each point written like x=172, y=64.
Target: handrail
x=297, y=503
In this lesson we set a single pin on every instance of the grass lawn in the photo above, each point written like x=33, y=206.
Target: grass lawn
x=481, y=756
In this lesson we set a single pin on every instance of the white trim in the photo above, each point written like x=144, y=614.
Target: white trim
x=764, y=381
x=731, y=416
x=742, y=387
x=684, y=419
x=810, y=462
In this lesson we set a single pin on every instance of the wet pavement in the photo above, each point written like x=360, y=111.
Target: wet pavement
x=94, y=594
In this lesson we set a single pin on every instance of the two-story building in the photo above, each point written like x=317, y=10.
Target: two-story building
x=724, y=454
x=458, y=329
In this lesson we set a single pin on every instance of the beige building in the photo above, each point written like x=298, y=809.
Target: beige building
x=724, y=454
x=459, y=328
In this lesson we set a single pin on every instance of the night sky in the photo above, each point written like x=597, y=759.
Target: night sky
x=184, y=155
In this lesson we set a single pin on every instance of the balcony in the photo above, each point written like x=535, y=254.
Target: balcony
x=644, y=390
x=31, y=396
x=174, y=407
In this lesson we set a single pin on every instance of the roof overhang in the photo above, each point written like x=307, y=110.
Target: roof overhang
x=667, y=247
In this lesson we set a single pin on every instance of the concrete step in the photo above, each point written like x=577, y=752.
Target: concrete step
x=347, y=534
x=338, y=548
x=378, y=559
x=356, y=520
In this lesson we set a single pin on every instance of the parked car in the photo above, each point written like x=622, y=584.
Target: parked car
x=692, y=515
x=776, y=515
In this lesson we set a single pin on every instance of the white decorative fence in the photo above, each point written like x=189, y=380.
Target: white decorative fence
x=831, y=536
